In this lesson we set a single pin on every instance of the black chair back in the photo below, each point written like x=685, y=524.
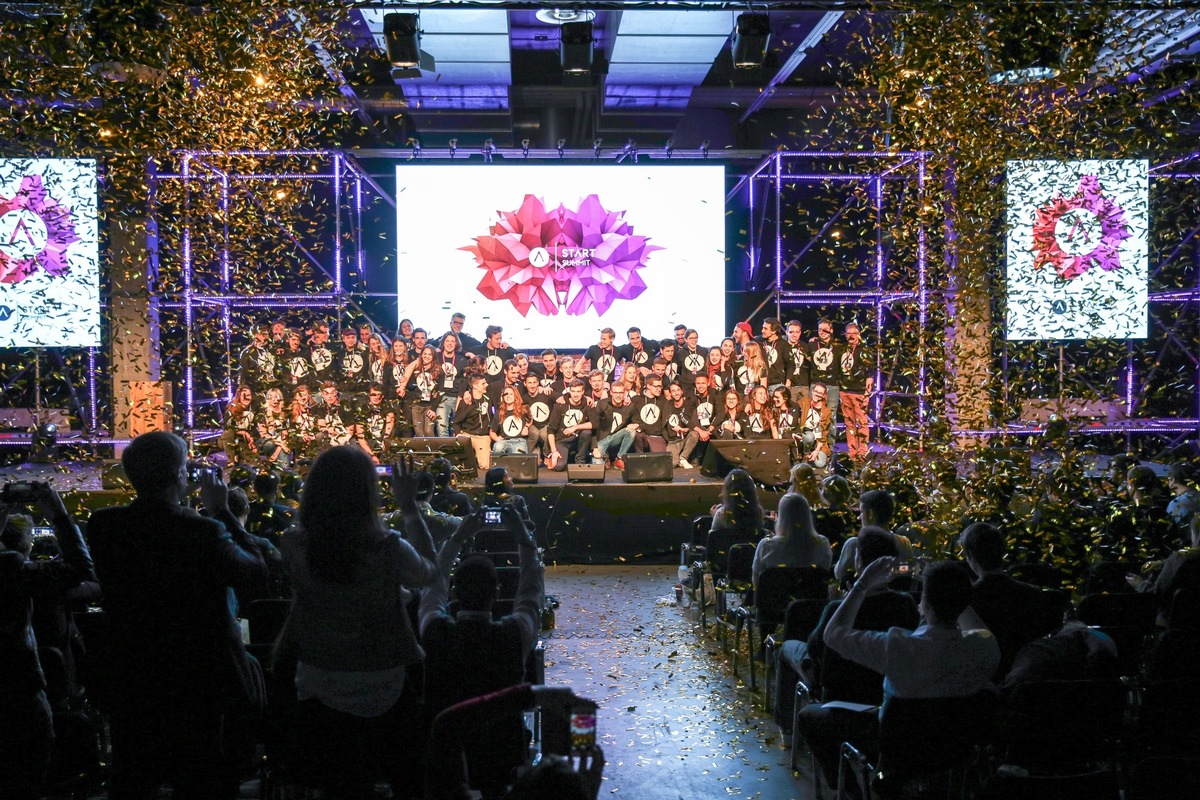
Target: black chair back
x=918, y=736
x=779, y=586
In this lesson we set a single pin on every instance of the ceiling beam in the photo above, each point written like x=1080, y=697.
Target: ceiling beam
x=814, y=37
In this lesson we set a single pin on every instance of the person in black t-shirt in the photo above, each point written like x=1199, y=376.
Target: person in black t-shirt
x=351, y=363
x=775, y=352
x=547, y=368
x=257, y=361
x=704, y=422
x=597, y=389
x=336, y=420
x=539, y=403
x=571, y=426
x=510, y=425
x=666, y=352
x=635, y=352
x=615, y=413
x=797, y=378
x=824, y=365
x=295, y=366
x=650, y=418
x=690, y=360
x=731, y=419
x=320, y=354
x=510, y=376
x=681, y=416
x=423, y=391
x=474, y=417
x=787, y=420
x=453, y=364
x=377, y=422
x=603, y=356
x=494, y=353
x=857, y=384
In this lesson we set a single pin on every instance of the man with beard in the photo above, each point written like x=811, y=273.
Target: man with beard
x=635, y=352
x=681, y=439
x=776, y=353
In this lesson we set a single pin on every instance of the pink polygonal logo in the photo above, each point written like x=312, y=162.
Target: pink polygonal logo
x=561, y=259
x=35, y=231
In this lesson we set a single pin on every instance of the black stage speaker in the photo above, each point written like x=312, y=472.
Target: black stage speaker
x=522, y=468
x=585, y=472
x=455, y=449
x=768, y=461
x=648, y=467
x=112, y=475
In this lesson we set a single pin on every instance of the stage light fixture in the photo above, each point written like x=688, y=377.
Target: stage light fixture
x=525, y=147
x=402, y=39
x=562, y=146
x=453, y=147
x=669, y=147
x=1026, y=46
x=44, y=449
x=751, y=35
x=575, y=48
x=597, y=143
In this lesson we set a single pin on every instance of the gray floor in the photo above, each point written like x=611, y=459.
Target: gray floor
x=674, y=721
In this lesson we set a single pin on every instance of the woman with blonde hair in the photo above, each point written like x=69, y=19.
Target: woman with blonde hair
x=753, y=371
x=795, y=543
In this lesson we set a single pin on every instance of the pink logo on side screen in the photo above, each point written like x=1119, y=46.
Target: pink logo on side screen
x=561, y=259
x=35, y=231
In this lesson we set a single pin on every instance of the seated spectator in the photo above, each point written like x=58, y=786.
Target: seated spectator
x=834, y=518
x=1009, y=608
x=348, y=636
x=874, y=508
x=804, y=482
x=1175, y=655
x=1181, y=570
x=951, y=655
x=830, y=676
x=795, y=543
x=446, y=496
x=1185, y=502
x=739, y=508
x=469, y=653
x=26, y=730
x=1076, y=653
x=268, y=517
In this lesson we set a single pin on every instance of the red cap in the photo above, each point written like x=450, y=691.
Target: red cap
x=744, y=326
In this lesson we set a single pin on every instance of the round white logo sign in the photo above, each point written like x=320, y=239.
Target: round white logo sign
x=539, y=257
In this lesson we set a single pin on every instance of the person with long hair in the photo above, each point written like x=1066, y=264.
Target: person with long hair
x=422, y=389
x=752, y=372
x=510, y=427
x=787, y=421
x=739, y=507
x=379, y=358
x=348, y=636
x=760, y=414
x=239, y=437
x=731, y=422
x=404, y=332
x=453, y=365
x=632, y=378
x=303, y=432
x=796, y=542
x=393, y=375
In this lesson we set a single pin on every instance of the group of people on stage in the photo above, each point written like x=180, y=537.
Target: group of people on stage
x=299, y=393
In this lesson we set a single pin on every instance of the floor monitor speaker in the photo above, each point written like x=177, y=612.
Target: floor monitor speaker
x=648, y=467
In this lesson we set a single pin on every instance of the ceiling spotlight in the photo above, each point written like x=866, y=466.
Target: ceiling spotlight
x=750, y=38
x=575, y=48
x=563, y=16
x=453, y=147
x=704, y=148
x=561, y=146
x=402, y=39
x=1028, y=47
x=597, y=143
x=44, y=447
x=525, y=147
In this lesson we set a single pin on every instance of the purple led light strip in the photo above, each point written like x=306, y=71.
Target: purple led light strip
x=922, y=296
x=188, y=412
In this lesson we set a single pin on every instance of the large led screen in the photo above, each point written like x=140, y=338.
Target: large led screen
x=555, y=253
x=49, y=271
x=1077, y=249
